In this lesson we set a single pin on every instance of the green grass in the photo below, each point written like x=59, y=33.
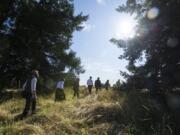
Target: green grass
x=87, y=115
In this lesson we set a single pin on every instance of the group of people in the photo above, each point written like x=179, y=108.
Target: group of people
x=60, y=94
x=98, y=84
x=29, y=90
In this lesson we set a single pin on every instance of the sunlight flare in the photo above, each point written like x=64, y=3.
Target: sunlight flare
x=125, y=28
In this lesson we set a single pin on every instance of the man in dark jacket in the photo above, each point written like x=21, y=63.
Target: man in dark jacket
x=76, y=87
x=29, y=90
x=98, y=84
x=107, y=85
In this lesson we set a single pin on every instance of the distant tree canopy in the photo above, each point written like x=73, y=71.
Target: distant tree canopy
x=37, y=34
x=157, y=38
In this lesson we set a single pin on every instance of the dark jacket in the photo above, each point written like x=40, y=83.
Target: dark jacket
x=97, y=83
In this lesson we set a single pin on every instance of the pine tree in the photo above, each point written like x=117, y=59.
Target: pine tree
x=39, y=35
x=157, y=36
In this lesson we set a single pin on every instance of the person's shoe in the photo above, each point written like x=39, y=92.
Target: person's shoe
x=24, y=114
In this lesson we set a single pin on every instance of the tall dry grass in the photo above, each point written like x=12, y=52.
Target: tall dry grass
x=106, y=113
x=88, y=115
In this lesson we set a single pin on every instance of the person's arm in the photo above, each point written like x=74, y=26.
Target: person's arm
x=24, y=85
x=33, y=86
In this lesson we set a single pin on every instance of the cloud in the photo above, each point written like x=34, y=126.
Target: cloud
x=101, y=2
x=87, y=27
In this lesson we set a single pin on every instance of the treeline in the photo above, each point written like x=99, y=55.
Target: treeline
x=37, y=34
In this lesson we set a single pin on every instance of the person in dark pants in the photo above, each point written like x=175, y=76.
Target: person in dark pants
x=98, y=85
x=29, y=90
x=90, y=84
x=76, y=87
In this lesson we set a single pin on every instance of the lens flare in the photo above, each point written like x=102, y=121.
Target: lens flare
x=153, y=13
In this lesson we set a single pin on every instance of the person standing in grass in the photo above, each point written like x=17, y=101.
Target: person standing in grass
x=76, y=87
x=107, y=85
x=90, y=84
x=59, y=94
x=98, y=85
x=29, y=93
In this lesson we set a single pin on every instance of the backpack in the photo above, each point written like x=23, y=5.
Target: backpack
x=27, y=89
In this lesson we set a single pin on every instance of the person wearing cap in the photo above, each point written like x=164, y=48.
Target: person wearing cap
x=29, y=90
x=60, y=95
x=76, y=87
x=90, y=84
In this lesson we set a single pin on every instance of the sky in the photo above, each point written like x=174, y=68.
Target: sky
x=98, y=55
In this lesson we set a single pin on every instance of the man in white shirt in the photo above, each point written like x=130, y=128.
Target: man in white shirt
x=60, y=95
x=90, y=84
x=29, y=90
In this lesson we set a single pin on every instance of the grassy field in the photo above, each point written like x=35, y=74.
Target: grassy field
x=106, y=113
x=89, y=115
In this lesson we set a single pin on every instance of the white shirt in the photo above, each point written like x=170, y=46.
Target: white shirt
x=33, y=84
x=60, y=85
x=89, y=82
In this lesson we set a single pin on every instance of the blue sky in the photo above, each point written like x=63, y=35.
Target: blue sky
x=98, y=55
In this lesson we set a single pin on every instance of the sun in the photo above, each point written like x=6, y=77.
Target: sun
x=125, y=28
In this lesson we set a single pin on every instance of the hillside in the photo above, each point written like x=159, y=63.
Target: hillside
x=89, y=115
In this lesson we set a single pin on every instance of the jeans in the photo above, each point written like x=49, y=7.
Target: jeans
x=30, y=103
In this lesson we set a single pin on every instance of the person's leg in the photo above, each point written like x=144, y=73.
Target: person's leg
x=77, y=93
x=27, y=105
x=89, y=88
x=55, y=97
x=64, y=96
x=74, y=93
x=33, y=105
x=96, y=90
